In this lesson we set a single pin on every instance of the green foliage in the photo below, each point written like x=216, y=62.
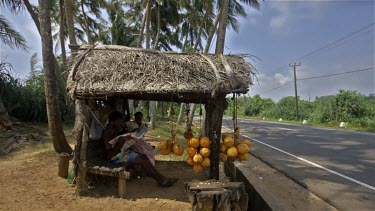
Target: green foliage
x=348, y=106
x=256, y=105
x=26, y=100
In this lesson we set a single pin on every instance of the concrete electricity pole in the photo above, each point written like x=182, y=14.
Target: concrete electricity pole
x=295, y=85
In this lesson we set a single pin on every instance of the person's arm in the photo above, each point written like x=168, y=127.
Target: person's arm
x=128, y=143
x=107, y=136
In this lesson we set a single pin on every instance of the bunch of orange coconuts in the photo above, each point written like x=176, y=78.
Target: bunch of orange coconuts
x=233, y=149
x=199, y=152
x=171, y=146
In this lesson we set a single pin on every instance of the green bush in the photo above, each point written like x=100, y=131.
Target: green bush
x=348, y=106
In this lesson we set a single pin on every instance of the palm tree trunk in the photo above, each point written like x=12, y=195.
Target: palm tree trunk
x=200, y=32
x=152, y=106
x=156, y=40
x=191, y=116
x=179, y=119
x=139, y=44
x=78, y=122
x=87, y=29
x=212, y=31
x=148, y=24
x=35, y=17
x=70, y=22
x=162, y=109
x=62, y=38
x=222, y=28
x=193, y=107
x=170, y=111
x=53, y=112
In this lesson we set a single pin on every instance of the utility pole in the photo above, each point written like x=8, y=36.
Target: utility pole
x=295, y=85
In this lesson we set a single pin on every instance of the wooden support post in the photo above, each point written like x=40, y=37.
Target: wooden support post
x=122, y=186
x=77, y=149
x=214, y=116
x=63, y=167
x=82, y=165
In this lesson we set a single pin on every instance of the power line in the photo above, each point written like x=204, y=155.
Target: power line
x=315, y=77
x=324, y=76
x=334, y=42
x=337, y=45
x=326, y=47
x=276, y=88
x=277, y=70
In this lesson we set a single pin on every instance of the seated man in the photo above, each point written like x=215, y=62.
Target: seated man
x=137, y=150
x=140, y=146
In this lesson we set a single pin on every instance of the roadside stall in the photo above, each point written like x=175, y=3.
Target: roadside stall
x=117, y=74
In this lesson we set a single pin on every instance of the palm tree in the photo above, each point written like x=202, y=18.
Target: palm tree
x=120, y=31
x=53, y=113
x=9, y=36
x=229, y=9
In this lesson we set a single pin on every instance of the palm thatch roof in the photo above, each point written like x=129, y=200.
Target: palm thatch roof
x=102, y=71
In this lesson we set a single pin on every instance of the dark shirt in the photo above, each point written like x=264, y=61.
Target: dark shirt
x=110, y=133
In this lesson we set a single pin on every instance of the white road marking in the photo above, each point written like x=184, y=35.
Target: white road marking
x=309, y=126
x=314, y=164
x=285, y=128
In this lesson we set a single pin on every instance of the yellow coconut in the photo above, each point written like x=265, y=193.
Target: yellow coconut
x=243, y=156
x=204, y=142
x=177, y=149
x=206, y=162
x=164, y=144
x=197, y=158
x=223, y=148
x=224, y=135
x=166, y=151
x=242, y=149
x=197, y=168
x=223, y=157
x=228, y=141
x=190, y=161
x=194, y=142
x=232, y=152
x=205, y=152
x=191, y=151
x=247, y=142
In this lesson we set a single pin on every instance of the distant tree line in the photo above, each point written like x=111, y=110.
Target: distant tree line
x=352, y=107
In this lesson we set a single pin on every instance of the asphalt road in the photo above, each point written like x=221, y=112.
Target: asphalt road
x=337, y=165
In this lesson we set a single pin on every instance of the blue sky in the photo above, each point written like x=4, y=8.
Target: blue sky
x=278, y=34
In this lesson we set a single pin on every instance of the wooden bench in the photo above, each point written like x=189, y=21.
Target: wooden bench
x=98, y=164
x=119, y=172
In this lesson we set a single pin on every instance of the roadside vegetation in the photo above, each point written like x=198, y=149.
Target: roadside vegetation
x=351, y=107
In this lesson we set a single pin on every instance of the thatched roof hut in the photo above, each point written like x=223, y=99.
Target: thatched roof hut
x=102, y=71
x=119, y=72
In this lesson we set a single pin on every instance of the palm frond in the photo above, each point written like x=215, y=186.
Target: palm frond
x=9, y=36
x=14, y=6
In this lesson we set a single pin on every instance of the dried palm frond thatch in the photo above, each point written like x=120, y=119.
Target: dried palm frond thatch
x=139, y=73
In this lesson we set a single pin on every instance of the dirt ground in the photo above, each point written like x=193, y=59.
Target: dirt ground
x=29, y=181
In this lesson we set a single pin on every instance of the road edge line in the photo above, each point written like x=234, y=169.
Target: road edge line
x=314, y=164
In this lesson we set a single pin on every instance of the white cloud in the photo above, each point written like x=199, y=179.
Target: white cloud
x=280, y=78
x=282, y=13
x=278, y=22
x=285, y=13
